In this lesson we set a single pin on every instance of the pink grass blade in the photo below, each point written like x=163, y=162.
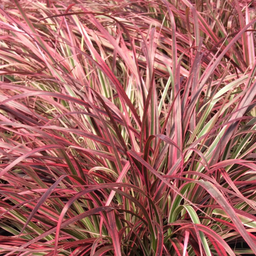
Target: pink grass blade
x=160, y=241
x=249, y=38
x=185, y=243
x=42, y=200
x=102, y=251
x=113, y=233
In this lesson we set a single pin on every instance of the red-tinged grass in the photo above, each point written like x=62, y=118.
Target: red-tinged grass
x=127, y=128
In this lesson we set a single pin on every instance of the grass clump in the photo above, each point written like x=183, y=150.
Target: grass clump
x=127, y=128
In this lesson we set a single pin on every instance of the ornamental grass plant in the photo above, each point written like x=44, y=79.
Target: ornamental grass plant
x=127, y=128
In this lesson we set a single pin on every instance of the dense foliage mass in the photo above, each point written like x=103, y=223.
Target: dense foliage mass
x=127, y=127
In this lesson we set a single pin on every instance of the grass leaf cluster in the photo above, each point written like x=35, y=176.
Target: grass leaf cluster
x=127, y=128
